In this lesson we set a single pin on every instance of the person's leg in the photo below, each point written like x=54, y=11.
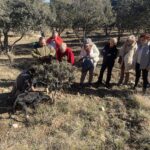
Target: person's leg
x=83, y=75
x=100, y=78
x=109, y=73
x=121, y=74
x=91, y=73
x=137, y=75
x=127, y=75
x=145, y=80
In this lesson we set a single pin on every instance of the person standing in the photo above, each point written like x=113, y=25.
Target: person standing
x=109, y=53
x=127, y=54
x=142, y=61
x=55, y=40
x=89, y=56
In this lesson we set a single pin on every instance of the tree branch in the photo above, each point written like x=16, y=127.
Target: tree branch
x=12, y=46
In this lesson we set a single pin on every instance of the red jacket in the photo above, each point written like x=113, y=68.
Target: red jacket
x=69, y=54
x=58, y=40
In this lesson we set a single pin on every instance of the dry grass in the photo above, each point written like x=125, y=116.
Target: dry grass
x=143, y=101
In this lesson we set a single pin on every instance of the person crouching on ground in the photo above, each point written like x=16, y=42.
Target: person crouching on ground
x=42, y=52
x=109, y=53
x=24, y=82
x=127, y=54
x=89, y=56
x=65, y=51
x=142, y=61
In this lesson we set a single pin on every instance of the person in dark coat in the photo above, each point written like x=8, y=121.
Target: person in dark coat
x=109, y=54
x=24, y=82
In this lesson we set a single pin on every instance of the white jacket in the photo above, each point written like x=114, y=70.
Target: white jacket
x=94, y=54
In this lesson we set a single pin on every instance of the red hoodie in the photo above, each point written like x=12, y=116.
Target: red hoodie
x=69, y=54
x=58, y=41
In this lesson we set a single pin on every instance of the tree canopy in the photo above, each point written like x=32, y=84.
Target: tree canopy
x=21, y=16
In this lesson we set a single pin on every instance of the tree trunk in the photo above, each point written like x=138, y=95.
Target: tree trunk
x=12, y=46
x=5, y=40
x=120, y=32
x=106, y=31
x=84, y=34
x=1, y=43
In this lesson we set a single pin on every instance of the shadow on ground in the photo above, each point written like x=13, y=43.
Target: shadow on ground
x=5, y=103
x=100, y=92
x=6, y=83
x=23, y=49
x=23, y=63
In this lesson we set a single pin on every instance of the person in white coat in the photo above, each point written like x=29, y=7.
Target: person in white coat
x=89, y=56
x=127, y=55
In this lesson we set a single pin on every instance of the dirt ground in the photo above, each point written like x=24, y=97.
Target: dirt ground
x=82, y=119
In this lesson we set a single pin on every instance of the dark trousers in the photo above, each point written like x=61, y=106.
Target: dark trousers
x=144, y=76
x=109, y=67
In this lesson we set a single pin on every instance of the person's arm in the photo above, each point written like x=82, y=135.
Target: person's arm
x=71, y=57
x=52, y=51
x=82, y=54
x=35, y=53
x=116, y=52
x=95, y=52
x=122, y=51
x=58, y=40
x=103, y=51
x=148, y=68
x=135, y=55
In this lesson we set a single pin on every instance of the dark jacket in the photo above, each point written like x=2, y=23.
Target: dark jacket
x=109, y=54
x=24, y=81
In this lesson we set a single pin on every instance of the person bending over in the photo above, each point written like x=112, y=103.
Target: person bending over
x=89, y=56
x=55, y=40
x=42, y=52
x=24, y=82
x=65, y=51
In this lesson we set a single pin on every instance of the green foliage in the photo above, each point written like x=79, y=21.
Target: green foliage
x=90, y=15
x=133, y=15
x=21, y=16
x=61, y=16
x=55, y=75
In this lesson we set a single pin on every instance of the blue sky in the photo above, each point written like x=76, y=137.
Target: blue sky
x=46, y=0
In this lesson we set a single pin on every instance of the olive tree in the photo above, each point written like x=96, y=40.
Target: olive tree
x=20, y=16
x=86, y=16
x=132, y=16
x=61, y=16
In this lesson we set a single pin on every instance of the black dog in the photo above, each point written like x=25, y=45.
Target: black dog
x=30, y=98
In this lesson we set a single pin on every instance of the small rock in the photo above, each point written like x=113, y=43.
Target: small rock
x=102, y=108
x=15, y=126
